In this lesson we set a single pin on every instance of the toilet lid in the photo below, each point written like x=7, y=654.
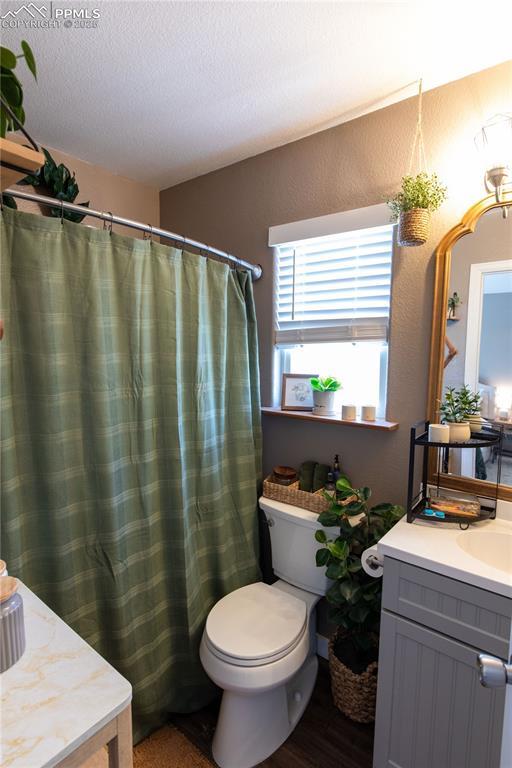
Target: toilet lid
x=255, y=623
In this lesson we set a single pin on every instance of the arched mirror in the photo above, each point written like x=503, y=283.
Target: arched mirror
x=472, y=338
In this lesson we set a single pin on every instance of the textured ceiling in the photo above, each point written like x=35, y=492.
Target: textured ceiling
x=165, y=91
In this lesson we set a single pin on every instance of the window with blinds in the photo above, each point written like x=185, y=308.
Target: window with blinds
x=335, y=288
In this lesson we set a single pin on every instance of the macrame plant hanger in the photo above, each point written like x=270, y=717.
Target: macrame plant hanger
x=418, y=144
x=413, y=225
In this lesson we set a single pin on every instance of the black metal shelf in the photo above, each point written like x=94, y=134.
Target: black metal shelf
x=416, y=504
x=478, y=440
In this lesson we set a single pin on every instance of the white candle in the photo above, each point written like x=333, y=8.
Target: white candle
x=348, y=412
x=439, y=433
x=368, y=413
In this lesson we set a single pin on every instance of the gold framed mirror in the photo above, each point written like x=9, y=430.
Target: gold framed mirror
x=472, y=337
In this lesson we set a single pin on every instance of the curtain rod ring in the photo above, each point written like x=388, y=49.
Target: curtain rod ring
x=183, y=245
x=61, y=211
x=148, y=235
x=110, y=224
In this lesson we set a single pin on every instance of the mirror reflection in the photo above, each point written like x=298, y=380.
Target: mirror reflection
x=478, y=339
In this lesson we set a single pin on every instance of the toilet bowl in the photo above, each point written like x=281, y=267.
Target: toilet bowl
x=259, y=645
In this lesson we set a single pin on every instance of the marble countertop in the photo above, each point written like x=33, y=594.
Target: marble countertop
x=57, y=695
x=437, y=547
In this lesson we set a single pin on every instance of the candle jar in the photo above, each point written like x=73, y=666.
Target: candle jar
x=12, y=624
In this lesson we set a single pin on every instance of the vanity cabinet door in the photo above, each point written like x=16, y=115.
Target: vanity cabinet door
x=432, y=711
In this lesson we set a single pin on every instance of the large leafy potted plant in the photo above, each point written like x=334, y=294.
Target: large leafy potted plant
x=324, y=391
x=354, y=597
x=459, y=408
x=419, y=196
x=12, y=115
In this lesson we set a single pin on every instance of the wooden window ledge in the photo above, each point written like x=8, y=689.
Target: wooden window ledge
x=380, y=424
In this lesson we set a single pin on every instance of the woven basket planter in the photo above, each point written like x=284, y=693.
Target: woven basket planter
x=413, y=227
x=354, y=695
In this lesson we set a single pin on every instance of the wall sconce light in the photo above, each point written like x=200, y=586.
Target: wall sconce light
x=495, y=142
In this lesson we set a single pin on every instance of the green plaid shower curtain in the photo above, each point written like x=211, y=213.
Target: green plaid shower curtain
x=130, y=444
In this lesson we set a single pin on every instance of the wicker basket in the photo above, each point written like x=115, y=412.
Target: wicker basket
x=413, y=227
x=354, y=695
x=291, y=494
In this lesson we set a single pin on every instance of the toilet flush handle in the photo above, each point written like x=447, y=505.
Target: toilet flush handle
x=269, y=522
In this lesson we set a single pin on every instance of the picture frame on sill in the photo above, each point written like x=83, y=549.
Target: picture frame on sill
x=296, y=392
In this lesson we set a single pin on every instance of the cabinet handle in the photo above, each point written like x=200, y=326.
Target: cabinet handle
x=493, y=672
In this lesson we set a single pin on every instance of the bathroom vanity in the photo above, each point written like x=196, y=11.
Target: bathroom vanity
x=61, y=702
x=447, y=597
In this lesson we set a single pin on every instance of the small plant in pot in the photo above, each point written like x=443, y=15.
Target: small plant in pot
x=459, y=409
x=420, y=196
x=324, y=391
x=354, y=597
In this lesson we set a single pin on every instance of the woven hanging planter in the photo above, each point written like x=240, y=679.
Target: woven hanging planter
x=413, y=227
x=354, y=695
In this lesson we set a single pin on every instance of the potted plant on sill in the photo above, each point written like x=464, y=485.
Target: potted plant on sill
x=461, y=408
x=420, y=196
x=354, y=598
x=324, y=391
x=11, y=93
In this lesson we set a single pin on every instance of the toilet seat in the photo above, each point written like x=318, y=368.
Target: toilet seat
x=255, y=625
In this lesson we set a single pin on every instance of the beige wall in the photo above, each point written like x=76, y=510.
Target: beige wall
x=350, y=166
x=108, y=192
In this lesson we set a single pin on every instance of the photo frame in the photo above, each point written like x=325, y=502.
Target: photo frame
x=296, y=392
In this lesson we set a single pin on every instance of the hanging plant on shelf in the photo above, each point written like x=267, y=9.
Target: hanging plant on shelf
x=56, y=181
x=419, y=196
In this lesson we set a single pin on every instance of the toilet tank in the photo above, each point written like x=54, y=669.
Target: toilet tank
x=292, y=535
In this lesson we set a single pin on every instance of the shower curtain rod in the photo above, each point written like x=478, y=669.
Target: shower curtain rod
x=255, y=269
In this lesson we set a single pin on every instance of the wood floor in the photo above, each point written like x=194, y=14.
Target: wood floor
x=324, y=738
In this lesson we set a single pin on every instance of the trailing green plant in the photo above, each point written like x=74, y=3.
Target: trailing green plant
x=453, y=303
x=459, y=404
x=325, y=385
x=354, y=598
x=421, y=191
x=57, y=181
x=11, y=90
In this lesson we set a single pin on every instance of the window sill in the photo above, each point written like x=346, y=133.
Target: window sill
x=379, y=424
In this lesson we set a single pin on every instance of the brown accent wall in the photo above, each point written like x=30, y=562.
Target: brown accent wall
x=353, y=165
x=107, y=191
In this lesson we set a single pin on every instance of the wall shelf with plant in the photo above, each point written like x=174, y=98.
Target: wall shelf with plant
x=56, y=181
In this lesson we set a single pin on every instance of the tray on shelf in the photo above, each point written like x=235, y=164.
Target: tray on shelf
x=417, y=511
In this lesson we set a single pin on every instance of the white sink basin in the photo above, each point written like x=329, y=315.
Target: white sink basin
x=490, y=547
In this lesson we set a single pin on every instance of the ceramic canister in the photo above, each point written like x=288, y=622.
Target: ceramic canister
x=12, y=624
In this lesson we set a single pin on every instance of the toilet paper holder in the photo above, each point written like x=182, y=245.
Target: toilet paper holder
x=374, y=562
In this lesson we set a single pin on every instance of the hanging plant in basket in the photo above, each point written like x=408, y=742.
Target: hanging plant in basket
x=354, y=598
x=419, y=196
x=411, y=207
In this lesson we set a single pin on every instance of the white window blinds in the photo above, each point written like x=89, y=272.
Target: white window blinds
x=334, y=288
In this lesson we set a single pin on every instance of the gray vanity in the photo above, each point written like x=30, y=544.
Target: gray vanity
x=432, y=709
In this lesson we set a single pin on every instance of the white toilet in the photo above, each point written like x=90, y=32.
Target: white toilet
x=259, y=644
